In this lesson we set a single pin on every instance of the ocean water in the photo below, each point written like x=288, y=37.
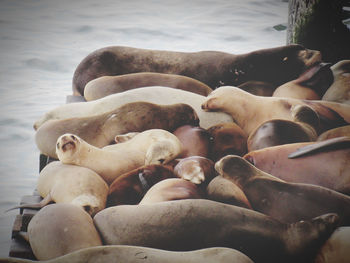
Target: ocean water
x=42, y=42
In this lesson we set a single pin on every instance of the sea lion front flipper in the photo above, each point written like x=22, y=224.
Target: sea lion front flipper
x=331, y=144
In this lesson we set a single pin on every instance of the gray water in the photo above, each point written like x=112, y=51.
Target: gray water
x=42, y=42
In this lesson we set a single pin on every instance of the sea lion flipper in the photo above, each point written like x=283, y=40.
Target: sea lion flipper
x=333, y=143
x=41, y=204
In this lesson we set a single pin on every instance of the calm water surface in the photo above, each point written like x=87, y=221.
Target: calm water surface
x=42, y=42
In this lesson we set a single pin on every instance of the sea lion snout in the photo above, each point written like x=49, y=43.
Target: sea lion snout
x=66, y=142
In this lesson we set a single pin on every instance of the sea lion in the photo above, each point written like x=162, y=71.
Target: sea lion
x=275, y=65
x=336, y=132
x=313, y=168
x=156, y=95
x=130, y=187
x=286, y=202
x=225, y=191
x=195, y=141
x=172, y=189
x=196, y=169
x=72, y=184
x=259, y=88
x=100, y=130
x=274, y=132
x=107, y=85
x=227, y=138
x=184, y=225
x=245, y=108
x=59, y=229
x=337, y=247
x=339, y=91
x=132, y=254
x=149, y=147
x=311, y=85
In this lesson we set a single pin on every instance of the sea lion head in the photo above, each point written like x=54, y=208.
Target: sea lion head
x=67, y=146
x=163, y=152
x=181, y=115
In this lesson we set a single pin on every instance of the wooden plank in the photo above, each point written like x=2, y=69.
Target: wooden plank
x=21, y=249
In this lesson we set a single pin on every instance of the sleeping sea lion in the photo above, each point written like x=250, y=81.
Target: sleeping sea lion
x=190, y=224
x=286, y=202
x=130, y=187
x=59, y=229
x=107, y=85
x=155, y=95
x=275, y=65
x=100, y=130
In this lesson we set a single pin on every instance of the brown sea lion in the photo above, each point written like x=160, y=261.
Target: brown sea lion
x=119, y=158
x=286, y=202
x=225, y=191
x=59, y=229
x=336, y=132
x=195, y=141
x=130, y=187
x=339, y=91
x=184, y=225
x=101, y=130
x=227, y=138
x=132, y=254
x=246, y=109
x=312, y=168
x=172, y=189
x=275, y=65
x=155, y=95
x=259, y=88
x=72, y=184
x=274, y=132
x=196, y=169
x=107, y=85
x=337, y=247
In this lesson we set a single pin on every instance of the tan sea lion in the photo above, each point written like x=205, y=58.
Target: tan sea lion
x=132, y=254
x=130, y=187
x=274, y=132
x=337, y=247
x=100, y=130
x=339, y=91
x=227, y=138
x=275, y=65
x=196, y=169
x=190, y=224
x=313, y=168
x=286, y=202
x=155, y=95
x=59, y=229
x=245, y=108
x=336, y=132
x=225, y=191
x=149, y=147
x=72, y=184
x=195, y=141
x=107, y=85
x=311, y=85
x=172, y=189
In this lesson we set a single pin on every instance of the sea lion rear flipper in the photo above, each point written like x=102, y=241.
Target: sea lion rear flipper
x=39, y=205
x=331, y=144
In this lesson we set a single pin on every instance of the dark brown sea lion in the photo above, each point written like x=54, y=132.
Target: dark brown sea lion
x=59, y=229
x=172, y=189
x=286, y=202
x=277, y=132
x=107, y=85
x=130, y=187
x=328, y=167
x=227, y=138
x=184, y=225
x=197, y=169
x=275, y=65
x=195, y=141
x=100, y=130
